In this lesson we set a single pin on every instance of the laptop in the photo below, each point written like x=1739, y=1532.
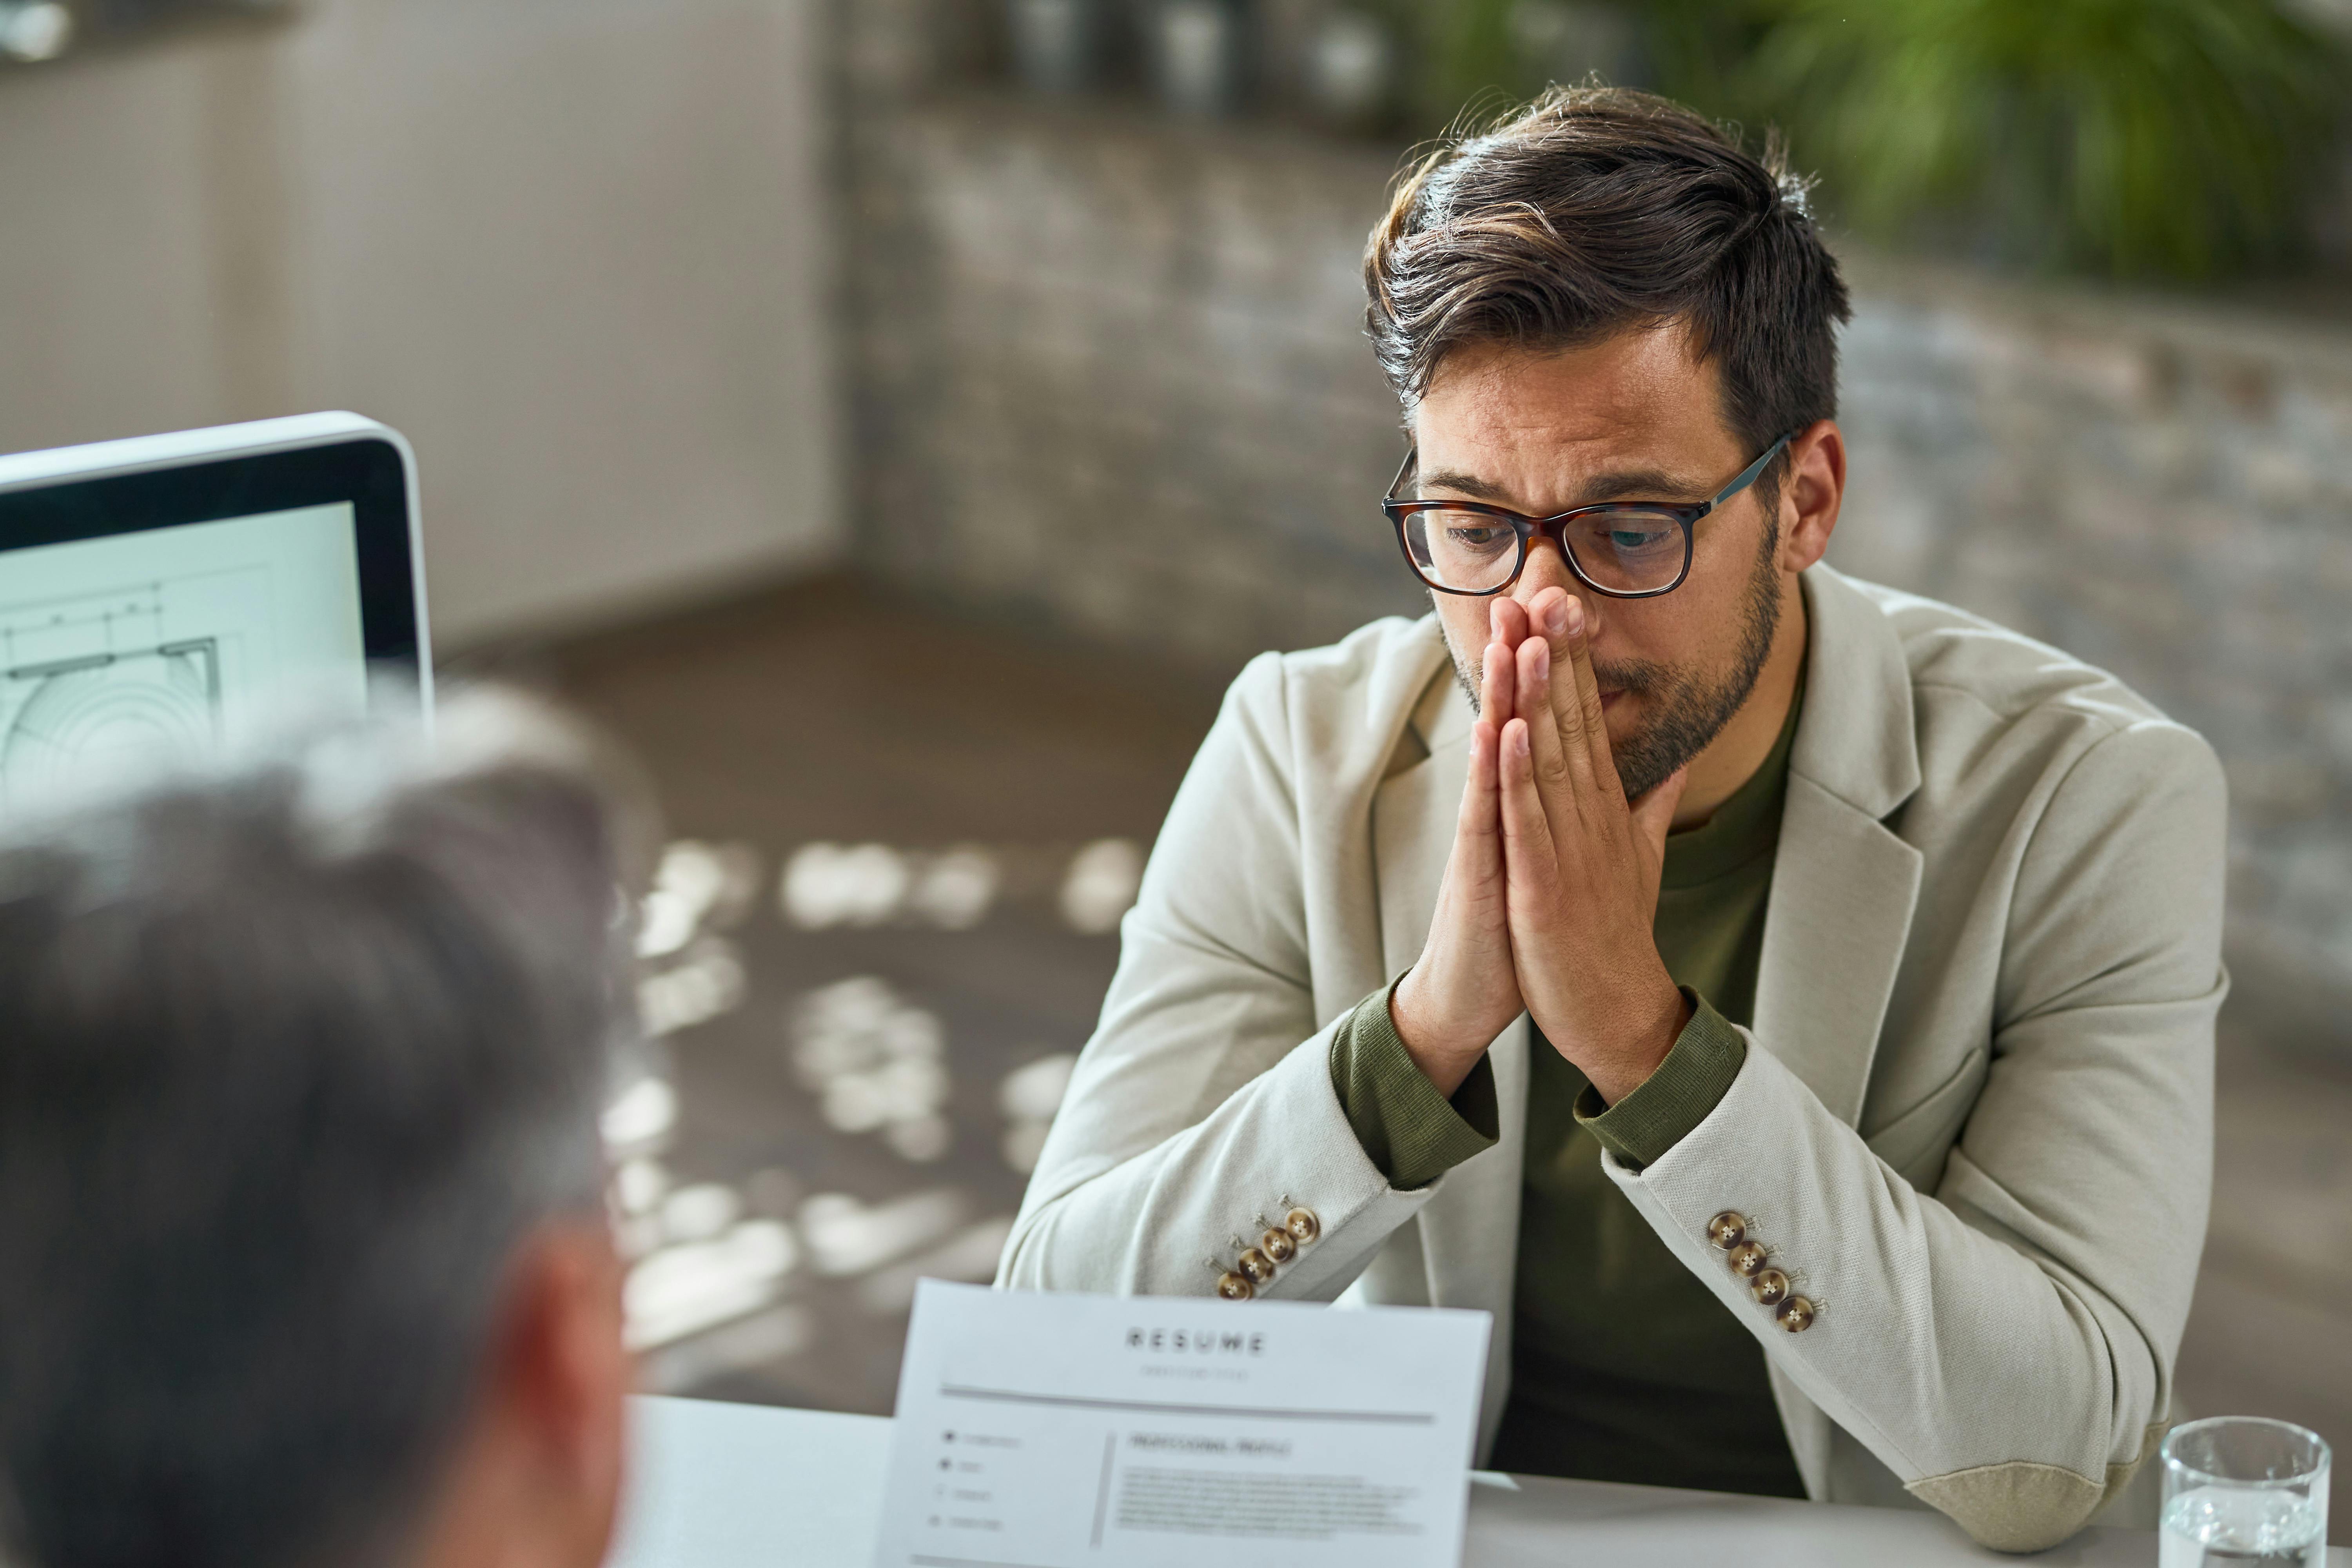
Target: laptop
x=167, y=594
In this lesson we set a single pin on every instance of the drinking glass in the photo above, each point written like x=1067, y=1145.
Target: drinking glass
x=2242, y=1490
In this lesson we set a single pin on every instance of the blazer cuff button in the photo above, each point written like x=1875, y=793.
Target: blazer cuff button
x=1303, y=1225
x=1796, y=1314
x=1726, y=1230
x=1232, y=1286
x=1277, y=1245
x=1770, y=1287
x=1254, y=1267
x=1747, y=1259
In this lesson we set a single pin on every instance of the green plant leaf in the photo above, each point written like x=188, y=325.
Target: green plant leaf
x=2130, y=137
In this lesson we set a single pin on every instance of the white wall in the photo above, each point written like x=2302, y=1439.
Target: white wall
x=575, y=248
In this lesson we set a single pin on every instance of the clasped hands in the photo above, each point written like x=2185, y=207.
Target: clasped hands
x=1552, y=885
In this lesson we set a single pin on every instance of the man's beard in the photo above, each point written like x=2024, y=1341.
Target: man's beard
x=1687, y=711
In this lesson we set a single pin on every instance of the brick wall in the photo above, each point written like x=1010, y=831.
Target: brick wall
x=1113, y=375
x=1110, y=377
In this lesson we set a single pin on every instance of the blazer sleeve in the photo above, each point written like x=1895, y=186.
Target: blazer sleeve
x=2004, y=1342
x=1205, y=1100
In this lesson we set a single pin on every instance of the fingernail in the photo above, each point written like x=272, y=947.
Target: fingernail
x=1519, y=741
x=1556, y=617
x=1572, y=615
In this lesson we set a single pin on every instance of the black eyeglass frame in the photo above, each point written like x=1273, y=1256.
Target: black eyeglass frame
x=1555, y=527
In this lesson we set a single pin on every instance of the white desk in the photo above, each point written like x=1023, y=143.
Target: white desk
x=740, y=1486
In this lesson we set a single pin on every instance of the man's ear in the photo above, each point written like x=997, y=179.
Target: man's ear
x=1811, y=492
x=567, y=1375
x=536, y=1478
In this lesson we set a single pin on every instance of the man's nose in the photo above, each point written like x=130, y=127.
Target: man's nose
x=1548, y=568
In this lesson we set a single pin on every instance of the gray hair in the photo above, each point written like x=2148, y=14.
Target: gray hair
x=293, y=1053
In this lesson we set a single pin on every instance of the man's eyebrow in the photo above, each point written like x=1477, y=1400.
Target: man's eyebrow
x=1469, y=485
x=1612, y=484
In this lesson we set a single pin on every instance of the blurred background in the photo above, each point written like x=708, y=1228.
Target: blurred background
x=898, y=418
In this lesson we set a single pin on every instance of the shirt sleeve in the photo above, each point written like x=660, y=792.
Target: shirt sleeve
x=1411, y=1131
x=1691, y=1081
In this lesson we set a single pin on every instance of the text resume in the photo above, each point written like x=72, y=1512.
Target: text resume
x=1051, y=1431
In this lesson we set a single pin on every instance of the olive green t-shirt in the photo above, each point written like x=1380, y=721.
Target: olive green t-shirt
x=1624, y=1365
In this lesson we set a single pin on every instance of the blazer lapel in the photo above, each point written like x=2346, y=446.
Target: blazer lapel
x=1835, y=929
x=1414, y=814
x=1844, y=885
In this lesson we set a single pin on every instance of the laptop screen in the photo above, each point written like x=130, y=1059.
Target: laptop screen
x=173, y=609
x=173, y=638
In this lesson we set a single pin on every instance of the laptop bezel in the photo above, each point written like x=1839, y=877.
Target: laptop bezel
x=116, y=487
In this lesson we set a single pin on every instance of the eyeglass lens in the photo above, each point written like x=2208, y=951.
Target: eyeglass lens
x=1471, y=552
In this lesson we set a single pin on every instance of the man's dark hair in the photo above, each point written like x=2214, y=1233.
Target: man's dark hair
x=1596, y=210
x=293, y=1056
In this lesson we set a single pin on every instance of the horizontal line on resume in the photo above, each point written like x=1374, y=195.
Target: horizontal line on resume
x=962, y=1563
x=1013, y=1397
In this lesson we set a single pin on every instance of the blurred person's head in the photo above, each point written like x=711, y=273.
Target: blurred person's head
x=303, y=1257
x=1605, y=298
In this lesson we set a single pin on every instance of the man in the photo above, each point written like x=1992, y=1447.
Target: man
x=304, y=1257
x=1787, y=1005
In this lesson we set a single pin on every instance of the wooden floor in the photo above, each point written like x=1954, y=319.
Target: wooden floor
x=827, y=714
x=835, y=713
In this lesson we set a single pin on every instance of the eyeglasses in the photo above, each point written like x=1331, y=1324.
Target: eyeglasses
x=1625, y=549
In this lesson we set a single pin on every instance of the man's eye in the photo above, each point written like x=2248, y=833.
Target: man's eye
x=1631, y=539
x=1477, y=538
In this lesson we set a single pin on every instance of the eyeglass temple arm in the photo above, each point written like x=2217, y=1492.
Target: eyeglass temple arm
x=1748, y=475
x=1412, y=455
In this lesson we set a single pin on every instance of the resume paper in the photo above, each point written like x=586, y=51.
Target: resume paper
x=1051, y=1431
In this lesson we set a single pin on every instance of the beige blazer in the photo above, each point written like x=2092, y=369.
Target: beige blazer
x=1975, y=1119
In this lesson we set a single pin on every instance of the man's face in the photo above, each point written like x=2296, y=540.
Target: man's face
x=1634, y=417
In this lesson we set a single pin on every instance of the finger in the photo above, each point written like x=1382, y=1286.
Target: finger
x=1559, y=618
x=1507, y=621
x=1653, y=815
x=1528, y=848
x=1478, y=829
x=1498, y=691
x=1564, y=771
x=1546, y=619
x=1583, y=694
